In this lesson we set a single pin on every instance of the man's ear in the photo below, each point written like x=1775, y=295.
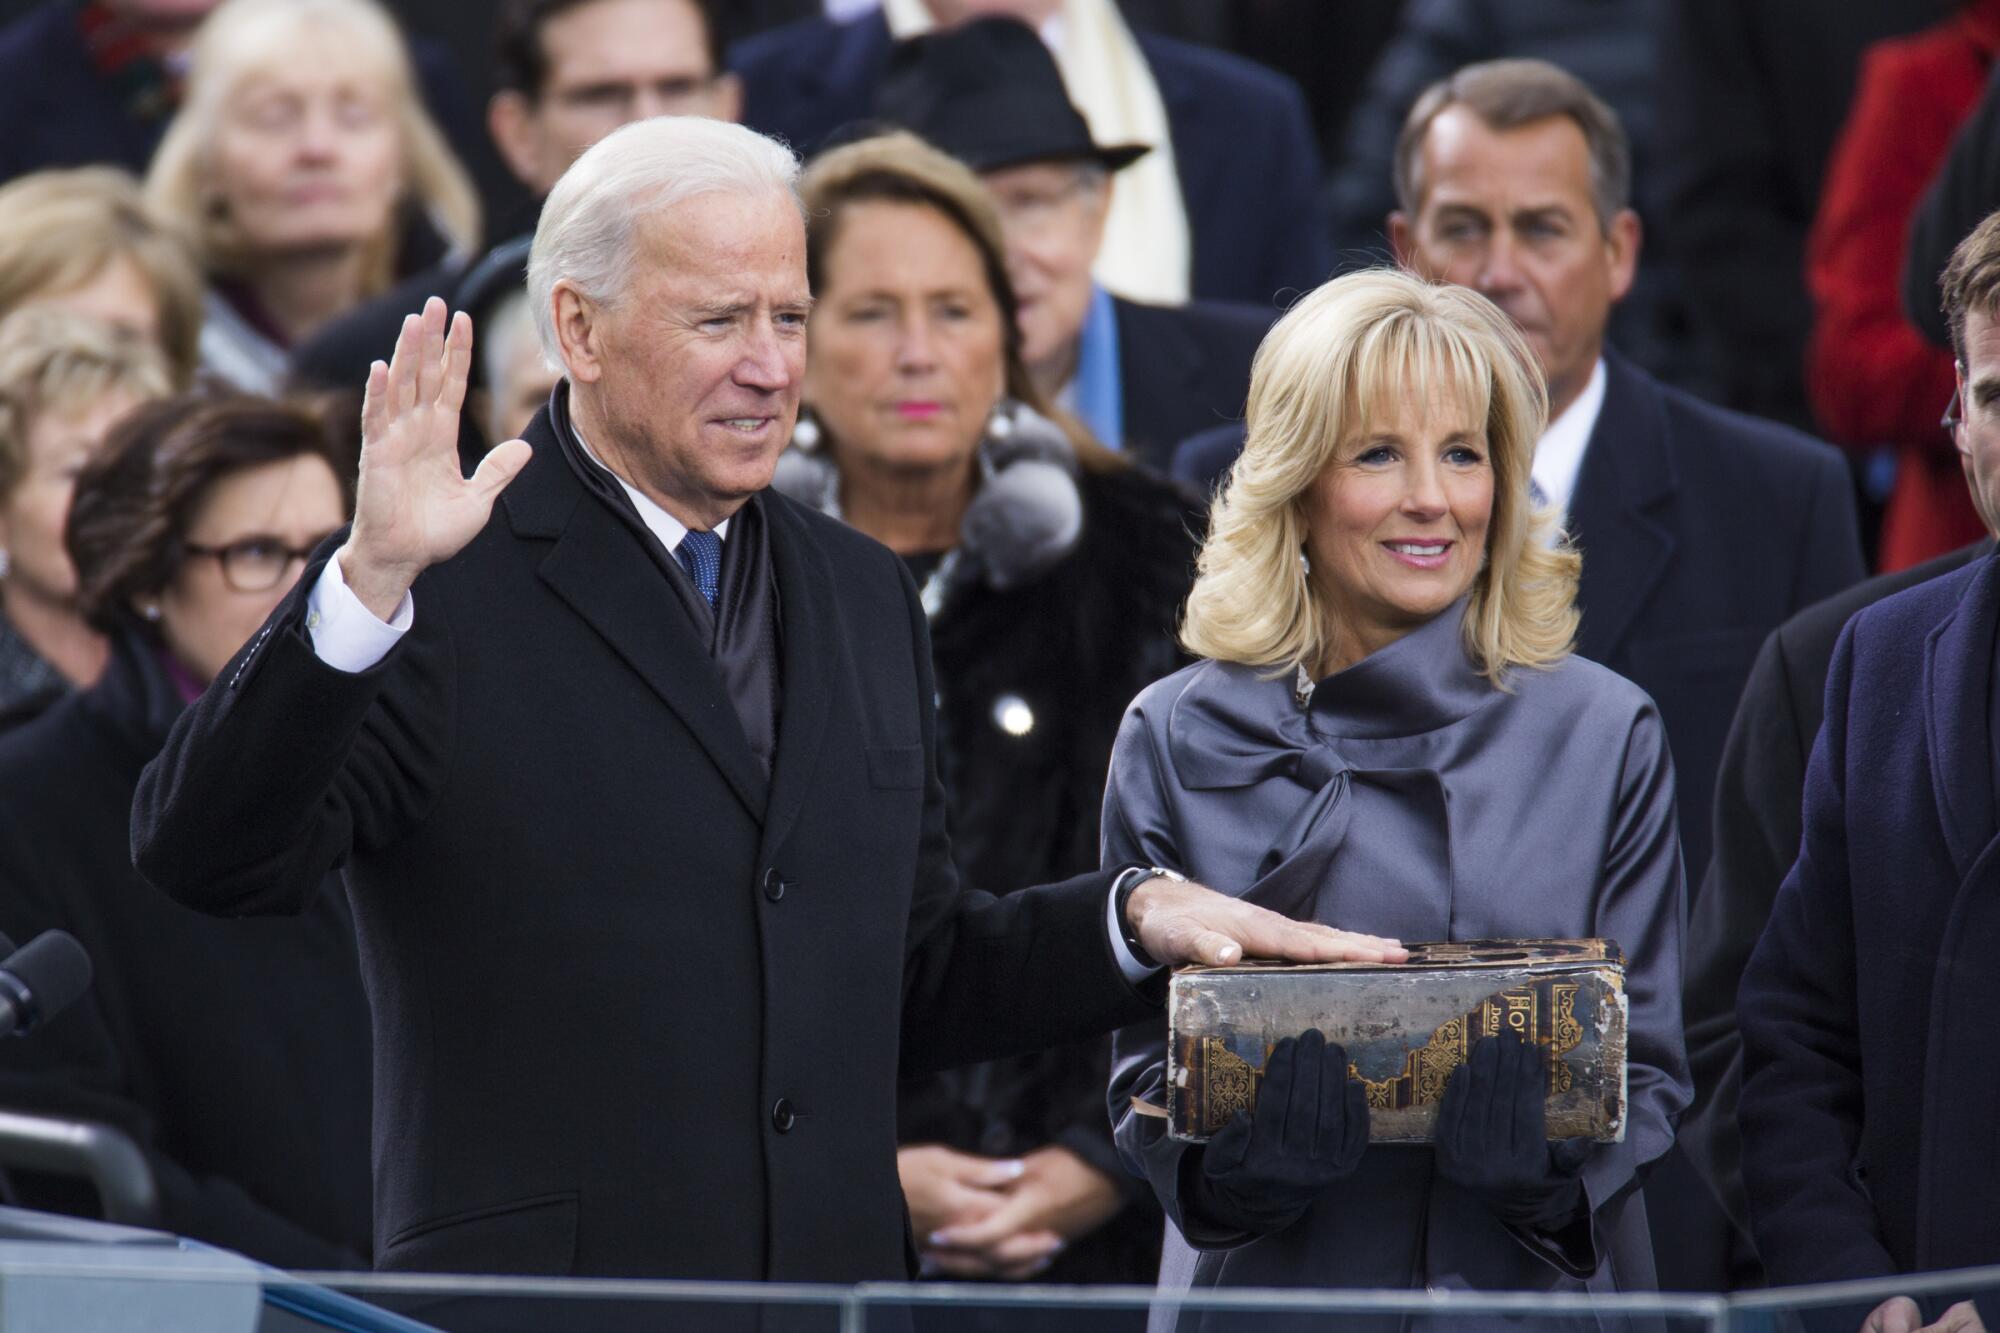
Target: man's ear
x=510, y=119
x=1622, y=241
x=579, y=331
x=1403, y=238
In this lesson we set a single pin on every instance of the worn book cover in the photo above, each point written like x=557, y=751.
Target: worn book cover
x=1406, y=1026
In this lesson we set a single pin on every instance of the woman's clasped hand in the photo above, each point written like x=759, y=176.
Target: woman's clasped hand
x=1492, y=1137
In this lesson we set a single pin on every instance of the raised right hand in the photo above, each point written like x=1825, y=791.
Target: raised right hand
x=413, y=507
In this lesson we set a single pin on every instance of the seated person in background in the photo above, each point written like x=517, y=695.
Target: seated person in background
x=64, y=379
x=299, y=151
x=1225, y=208
x=1390, y=728
x=235, y=1052
x=1869, y=1085
x=1140, y=377
x=565, y=74
x=82, y=240
x=1052, y=574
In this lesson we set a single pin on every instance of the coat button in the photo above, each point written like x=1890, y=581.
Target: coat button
x=782, y=1116
x=774, y=884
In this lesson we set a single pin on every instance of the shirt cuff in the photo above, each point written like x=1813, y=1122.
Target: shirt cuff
x=1134, y=970
x=345, y=634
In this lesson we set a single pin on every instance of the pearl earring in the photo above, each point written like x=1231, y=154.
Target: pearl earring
x=1305, y=565
x=151, y=611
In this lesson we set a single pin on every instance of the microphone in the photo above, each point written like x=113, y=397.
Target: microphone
x=39, y=980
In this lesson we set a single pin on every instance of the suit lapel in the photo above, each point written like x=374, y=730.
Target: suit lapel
x=1958, y=670
x=1616, y=514
x=599, y=568
x=808, y=617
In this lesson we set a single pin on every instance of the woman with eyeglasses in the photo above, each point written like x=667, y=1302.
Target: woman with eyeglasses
x=235, y=1053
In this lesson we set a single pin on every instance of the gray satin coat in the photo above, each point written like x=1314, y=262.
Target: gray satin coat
x=1411, y=798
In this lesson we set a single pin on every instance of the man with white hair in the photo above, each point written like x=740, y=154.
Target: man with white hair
x=632, y=775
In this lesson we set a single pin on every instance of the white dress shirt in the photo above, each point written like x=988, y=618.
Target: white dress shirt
x=347, y=636
x=1559, y=453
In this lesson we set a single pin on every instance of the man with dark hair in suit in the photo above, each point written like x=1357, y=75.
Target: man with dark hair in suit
x=1237, y=218
x=1701, y=530
x=1140, y=376
x=565, y=74
x=632, y=777
x=1869, y=1086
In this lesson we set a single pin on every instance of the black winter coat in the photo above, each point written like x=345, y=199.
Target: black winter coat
x=1061, y=656
x=236, y=1053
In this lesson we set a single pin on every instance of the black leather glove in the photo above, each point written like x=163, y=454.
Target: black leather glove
x=1492, y=1138
x=1308, y=1129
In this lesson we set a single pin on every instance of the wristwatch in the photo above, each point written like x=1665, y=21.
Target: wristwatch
x=1129, y=880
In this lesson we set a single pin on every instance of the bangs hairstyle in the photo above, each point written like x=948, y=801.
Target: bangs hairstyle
x=901, y=168
x=54, y=361
x=62, y=229
x=242, y=38
x=1334, y=367
x=137, y=497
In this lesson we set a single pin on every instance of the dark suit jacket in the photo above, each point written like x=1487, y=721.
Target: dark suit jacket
x=1183, y=368
x=1243, y=143
x=637, y=1010
x=1758, y=788
x=1869, y=1085
x=1702, y=530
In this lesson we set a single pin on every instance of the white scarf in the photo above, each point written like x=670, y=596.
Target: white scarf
x=1146, y=255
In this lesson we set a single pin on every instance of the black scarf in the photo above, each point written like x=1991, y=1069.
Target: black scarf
x=744, y=640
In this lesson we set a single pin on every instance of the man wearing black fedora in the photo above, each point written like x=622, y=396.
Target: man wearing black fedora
x=1235, y=155
x=1141, y=377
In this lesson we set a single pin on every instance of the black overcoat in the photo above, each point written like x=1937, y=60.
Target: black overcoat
x=1869, y=1084
x=638, y=1010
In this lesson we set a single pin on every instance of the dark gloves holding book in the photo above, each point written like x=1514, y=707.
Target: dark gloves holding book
x=1492, y=1138
x=1308, y=1129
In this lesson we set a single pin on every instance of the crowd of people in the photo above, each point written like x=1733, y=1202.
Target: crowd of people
x=627, y=657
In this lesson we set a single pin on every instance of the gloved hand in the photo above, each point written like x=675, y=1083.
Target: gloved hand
x=1308, y=1129
x=1492, y=1137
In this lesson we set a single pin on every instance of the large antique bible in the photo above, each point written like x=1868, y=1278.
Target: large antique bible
x=1406, y=1026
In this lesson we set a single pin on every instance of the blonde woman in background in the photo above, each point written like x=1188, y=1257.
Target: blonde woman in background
x=83, y=240
x=1390, y=732
x=299, y=156
x=65, y=380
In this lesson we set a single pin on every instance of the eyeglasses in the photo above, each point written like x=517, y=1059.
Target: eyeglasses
x=1954, y=411
x=256, y=564
x=1035, y=212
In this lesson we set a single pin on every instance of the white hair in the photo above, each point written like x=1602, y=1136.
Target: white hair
x=587, y=225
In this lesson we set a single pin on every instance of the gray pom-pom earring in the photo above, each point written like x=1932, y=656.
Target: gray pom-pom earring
x=805, y=431
x=6, y=562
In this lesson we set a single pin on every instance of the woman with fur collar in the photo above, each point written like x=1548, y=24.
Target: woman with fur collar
x=1052, y=572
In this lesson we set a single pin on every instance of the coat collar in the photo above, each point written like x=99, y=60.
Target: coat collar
x=1628, y=479
x=1958, y=675
x=1236, y=725
x=638, y=618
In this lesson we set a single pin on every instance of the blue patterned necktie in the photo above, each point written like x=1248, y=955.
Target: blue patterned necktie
x=700, y=554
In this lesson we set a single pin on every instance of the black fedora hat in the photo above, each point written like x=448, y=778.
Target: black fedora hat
x=989, y=93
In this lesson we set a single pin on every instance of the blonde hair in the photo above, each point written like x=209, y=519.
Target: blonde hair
x=61, y=229
x=243, y=36
x=899, y=167
x=55, y=361
x=1334, y=365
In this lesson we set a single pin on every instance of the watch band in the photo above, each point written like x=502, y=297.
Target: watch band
x=1128, y=883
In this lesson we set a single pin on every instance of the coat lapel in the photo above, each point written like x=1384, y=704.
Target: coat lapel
x=808, y=617
x=1958, y=671
x=1616, y=514
x=600, y=570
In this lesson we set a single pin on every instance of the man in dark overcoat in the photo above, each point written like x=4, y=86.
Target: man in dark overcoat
x=633, y=779
x=1869, y=1085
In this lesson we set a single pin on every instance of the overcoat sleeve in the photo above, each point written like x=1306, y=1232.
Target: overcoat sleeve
x=1046, y=949
x=285, y=764
x=1802, y=1095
